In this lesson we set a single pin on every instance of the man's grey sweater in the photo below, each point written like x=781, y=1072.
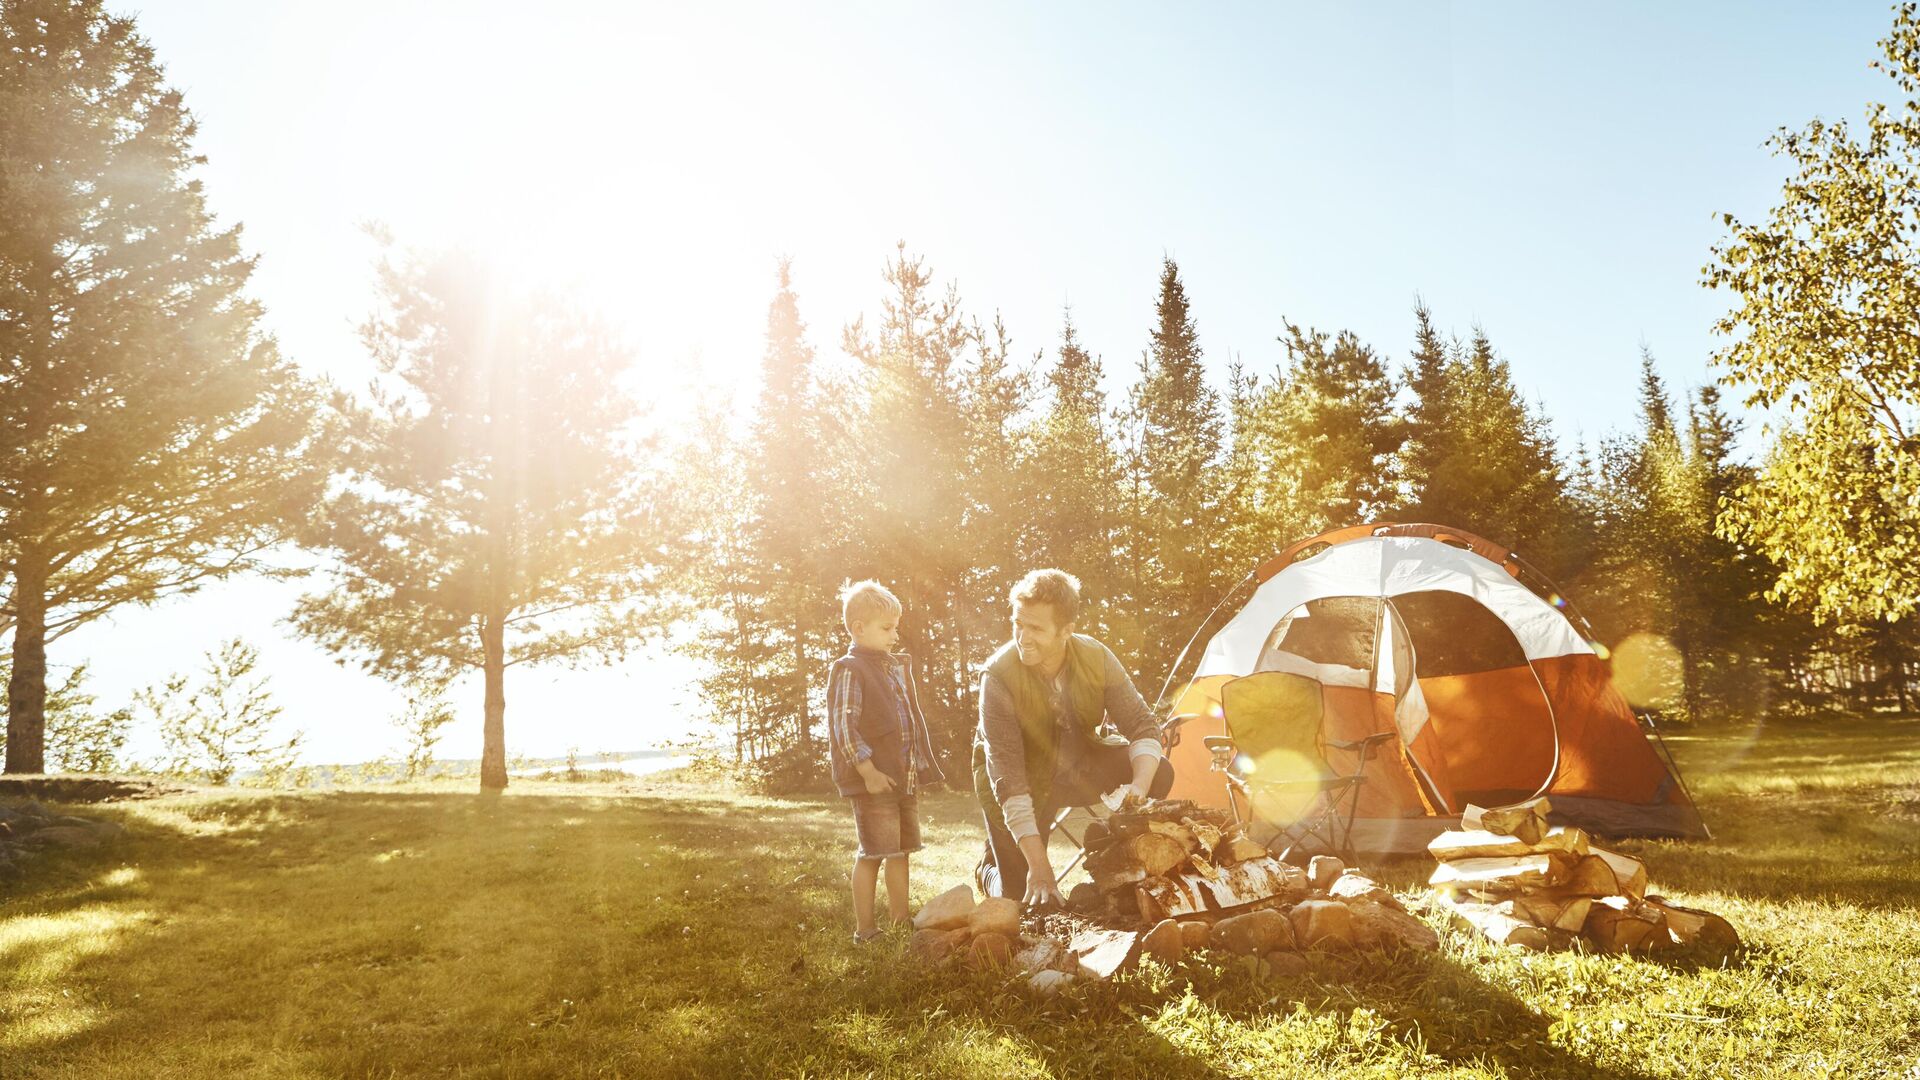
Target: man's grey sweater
x=1006, y=753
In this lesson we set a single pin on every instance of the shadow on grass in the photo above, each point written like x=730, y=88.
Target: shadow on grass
x=369, y=933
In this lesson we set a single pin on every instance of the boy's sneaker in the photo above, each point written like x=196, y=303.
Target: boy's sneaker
x=861, y=937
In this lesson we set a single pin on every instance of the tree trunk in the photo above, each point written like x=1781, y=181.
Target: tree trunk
x=493, y=739
x=800, y=720
x=27, y=686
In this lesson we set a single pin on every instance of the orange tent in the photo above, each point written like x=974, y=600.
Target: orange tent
x=1490, y=690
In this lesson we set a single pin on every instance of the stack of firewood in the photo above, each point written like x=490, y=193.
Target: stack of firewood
x=1154, y=860
x=1523, y=882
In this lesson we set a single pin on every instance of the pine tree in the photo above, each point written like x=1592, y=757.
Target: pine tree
x=494, y=514
x=912, y=444
x=1074, y=496
x=152, y=439
x=792, y=607
x=1479, y=457
x=1179, y=428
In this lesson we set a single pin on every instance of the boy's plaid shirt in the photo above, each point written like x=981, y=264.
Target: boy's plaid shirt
x=846, y=700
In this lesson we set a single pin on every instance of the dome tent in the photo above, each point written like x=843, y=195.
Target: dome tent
x=1492, y=693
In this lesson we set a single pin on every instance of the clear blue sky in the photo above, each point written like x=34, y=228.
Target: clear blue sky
x=1551, y=173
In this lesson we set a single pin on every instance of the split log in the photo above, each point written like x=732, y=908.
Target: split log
x=1233, y=886
x=1551, y=912
x=1114, y=868
x=1509, y=875
x=1236, y=849
x=1618, y=924
x=1629, y=871
x=1206, y=832
x=1591, y=876
x=1156, y=853
x=1483, y=844
x=1499, y=928
x=1526, y=820
x=1178, y=833
x=1690, y=927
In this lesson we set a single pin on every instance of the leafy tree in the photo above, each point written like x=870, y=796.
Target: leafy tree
x=493, y=513
x=151, y=438
x=214, y=729
x=79, y=737
x=427, y=711
x=1822, y=330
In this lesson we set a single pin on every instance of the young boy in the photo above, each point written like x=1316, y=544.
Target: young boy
x=879, y=748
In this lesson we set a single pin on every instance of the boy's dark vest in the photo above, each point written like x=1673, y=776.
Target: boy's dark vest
x=879, y=720
x=1039, y=723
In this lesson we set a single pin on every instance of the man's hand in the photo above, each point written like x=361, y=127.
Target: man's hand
x=878, y=783
x=1042, y=889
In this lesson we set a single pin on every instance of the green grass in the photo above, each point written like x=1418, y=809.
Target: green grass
x=647, y=929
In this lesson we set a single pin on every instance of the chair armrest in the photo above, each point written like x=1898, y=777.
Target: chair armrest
x=1170, y=728
x=1365, y=745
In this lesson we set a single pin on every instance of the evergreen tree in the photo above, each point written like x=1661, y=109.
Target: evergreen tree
x=1478, y=457
x=1179, y=422
x=1074, y=496
x=792, y=606
x=151, y=438
x=493, y=515
x=912, y=442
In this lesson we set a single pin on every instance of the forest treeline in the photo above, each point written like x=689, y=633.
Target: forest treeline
x=495, y=495
x=945, y=464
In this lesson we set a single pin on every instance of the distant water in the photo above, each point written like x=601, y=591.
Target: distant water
x=635, y=763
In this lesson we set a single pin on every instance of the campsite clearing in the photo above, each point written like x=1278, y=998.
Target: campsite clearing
x=647, y=929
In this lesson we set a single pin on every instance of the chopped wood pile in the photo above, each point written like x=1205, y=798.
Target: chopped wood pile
x=1170, y=878
x=1522, y=882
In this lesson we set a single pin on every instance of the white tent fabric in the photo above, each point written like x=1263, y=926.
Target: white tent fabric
x=1385, y=566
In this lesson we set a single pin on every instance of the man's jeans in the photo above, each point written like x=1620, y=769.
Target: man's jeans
x=1003, y=869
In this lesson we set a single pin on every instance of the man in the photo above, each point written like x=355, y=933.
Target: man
x=1037, y=748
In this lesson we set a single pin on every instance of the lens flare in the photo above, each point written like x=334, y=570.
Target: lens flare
x=1647, y=671
x=1274, y=798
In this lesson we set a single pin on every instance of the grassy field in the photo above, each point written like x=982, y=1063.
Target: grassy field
x=649, y=930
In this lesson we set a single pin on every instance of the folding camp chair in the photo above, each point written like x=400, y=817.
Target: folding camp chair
x=1275, y=766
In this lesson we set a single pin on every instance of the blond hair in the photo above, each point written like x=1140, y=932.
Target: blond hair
x=863, y=600
x=1054, y=587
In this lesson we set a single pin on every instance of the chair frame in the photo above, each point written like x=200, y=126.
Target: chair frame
x=1324, y=825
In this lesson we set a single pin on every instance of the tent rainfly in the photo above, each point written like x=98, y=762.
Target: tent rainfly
x=1492, y=693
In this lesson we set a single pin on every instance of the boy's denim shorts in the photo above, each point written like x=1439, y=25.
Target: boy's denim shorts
x=887, y=826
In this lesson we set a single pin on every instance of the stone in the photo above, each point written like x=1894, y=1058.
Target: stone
x=1043, y=954
x=72, y=836
x=1285, y=964
x=110, y=830
x=989, y=951
x=936, y=946
x=1193, y=934
x=1322, y=924
x=1087, y=899
x=996, y=915
x=1050, y=982
x=1390, y=928
x=1352, y=886
x=1251, y=934
x=1324, y=870
x=948, y=911
x=1164, y=943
